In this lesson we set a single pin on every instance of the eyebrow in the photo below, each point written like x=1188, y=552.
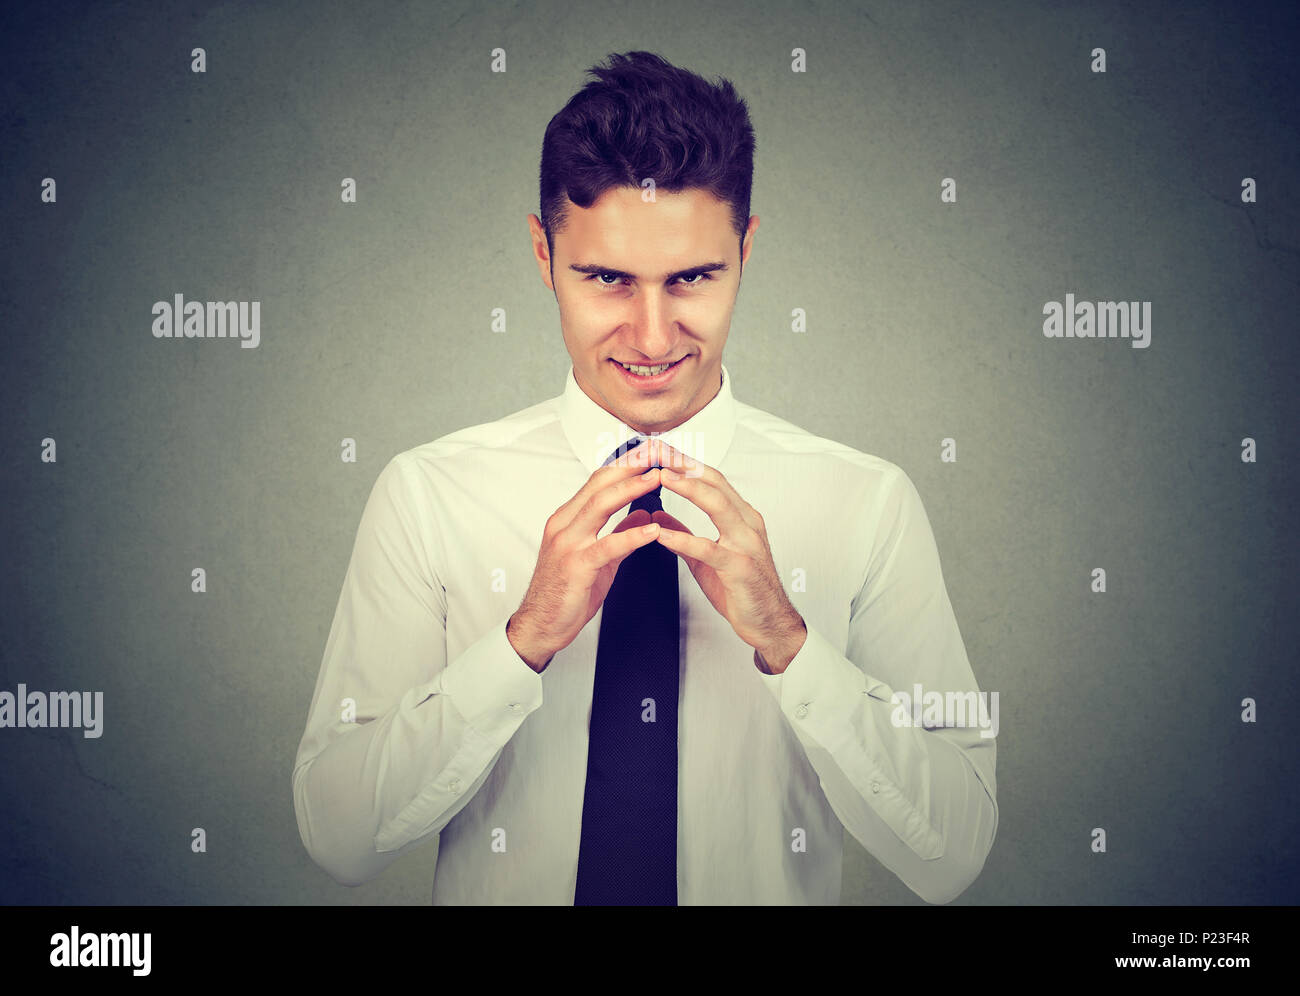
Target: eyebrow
x=594, y=268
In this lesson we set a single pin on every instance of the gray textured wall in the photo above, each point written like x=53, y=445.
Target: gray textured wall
x=1119, y=710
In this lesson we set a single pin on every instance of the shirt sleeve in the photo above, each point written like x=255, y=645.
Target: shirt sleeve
x=920, y=796
x=398, y=739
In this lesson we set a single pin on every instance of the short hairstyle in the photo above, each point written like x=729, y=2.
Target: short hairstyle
x=643, y=117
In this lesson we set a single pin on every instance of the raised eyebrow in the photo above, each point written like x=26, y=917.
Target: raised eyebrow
x=594, y=268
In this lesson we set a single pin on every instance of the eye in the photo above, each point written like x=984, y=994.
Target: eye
x=695, y=279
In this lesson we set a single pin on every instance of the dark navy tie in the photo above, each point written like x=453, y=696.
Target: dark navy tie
x=628, y=851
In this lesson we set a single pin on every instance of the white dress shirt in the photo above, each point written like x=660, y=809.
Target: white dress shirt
x=459, y=748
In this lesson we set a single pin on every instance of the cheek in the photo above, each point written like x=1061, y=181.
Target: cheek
x=587, y=332
x=583, y=308
x=707, y=310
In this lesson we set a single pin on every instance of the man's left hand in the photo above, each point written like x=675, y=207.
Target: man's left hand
x=736, y=572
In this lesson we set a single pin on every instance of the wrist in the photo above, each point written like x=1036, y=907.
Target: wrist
x=774, y=656
x=530, y=649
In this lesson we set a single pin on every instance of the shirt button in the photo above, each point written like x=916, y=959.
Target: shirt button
x=802, y=711
x=454, y=785
x=515, y=707
x=875, y=786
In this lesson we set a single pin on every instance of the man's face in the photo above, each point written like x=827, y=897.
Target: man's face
x=646, y=284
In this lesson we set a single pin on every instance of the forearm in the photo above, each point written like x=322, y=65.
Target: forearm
x=365, y=792
x=347, y=793
x=922, y=801
x=933, y=826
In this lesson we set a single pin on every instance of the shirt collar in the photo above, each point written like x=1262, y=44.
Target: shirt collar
x=594, y=433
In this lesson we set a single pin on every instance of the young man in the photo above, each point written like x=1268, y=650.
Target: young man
x=580, y=705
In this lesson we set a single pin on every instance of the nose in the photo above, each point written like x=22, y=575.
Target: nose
x=654, y=329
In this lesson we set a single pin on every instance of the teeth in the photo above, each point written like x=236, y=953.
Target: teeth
x=645, y=371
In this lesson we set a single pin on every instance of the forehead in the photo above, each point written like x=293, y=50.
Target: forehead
x=675, y=225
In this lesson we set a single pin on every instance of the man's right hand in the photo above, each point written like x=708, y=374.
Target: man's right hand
x=575, y=569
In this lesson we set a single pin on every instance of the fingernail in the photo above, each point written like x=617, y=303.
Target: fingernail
x=650, y=528
x=649, y=474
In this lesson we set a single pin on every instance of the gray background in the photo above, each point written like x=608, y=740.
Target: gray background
x=1118, y=710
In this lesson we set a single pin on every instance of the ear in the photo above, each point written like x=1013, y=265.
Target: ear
x=748, y=243
x=541, y=252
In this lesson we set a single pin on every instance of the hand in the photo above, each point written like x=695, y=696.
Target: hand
x=574, y=569
x=735, y=572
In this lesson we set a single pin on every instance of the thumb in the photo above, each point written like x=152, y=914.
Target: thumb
x=639, y=517
x=669, y=522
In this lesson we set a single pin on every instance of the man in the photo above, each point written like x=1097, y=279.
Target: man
x=519, y=742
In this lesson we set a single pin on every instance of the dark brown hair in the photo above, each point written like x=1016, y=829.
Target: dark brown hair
x=643, y=117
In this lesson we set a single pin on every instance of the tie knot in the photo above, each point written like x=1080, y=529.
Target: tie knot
x=649, y=501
